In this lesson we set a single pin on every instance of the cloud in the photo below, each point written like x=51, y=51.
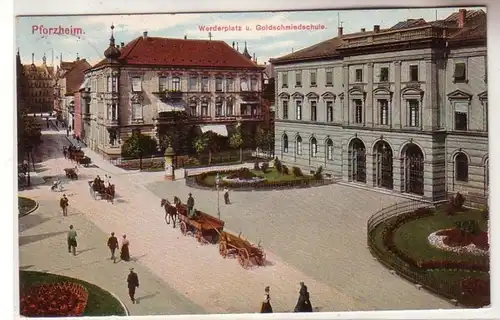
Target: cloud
x=140, y=23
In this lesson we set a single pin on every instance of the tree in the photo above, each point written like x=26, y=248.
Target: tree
x=260, y=138
x=206, y=142
x=236, y=141
x=200, y=144
x=139, y=145
x=165, y=141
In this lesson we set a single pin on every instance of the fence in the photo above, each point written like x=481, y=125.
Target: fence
x=428, y=280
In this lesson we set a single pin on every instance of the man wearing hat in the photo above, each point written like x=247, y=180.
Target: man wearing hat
x=64, y=202
x=113, y=245
x=190, y=206
x=133, y=282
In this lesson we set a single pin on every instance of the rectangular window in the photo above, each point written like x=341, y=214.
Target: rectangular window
x=110, y=85
x=384, y=74
x=229, y=84
x=414, y=118
x=299, y=146
x=284, y=79
x=298, y=78
x=204, y=84
x=162, y=84
x=313, y=78
x=285, y=109
x=313, y=111
x=298, y=110
x=414, y=73
x=253, y=84
x=204, y=109
x=114, y=84
x=460, y=74
x=218, y=109
x=461, y=121
x=192, y=109
x=329, y=77
x=359, y=75
x=176, y=84
x=329, y=111
x=358, y=111
x=136, y=84
x=383, y=112
x=218, y=84
x=193, y=83
x=136, y=111
x=314, y=149
x=285, y=145
x=329, y=151
x=244, y=84
x=229, y=108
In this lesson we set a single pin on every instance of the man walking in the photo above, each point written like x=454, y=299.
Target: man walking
x=113, y=245
x=64, y=203
x=72, y=240
x=133, y=282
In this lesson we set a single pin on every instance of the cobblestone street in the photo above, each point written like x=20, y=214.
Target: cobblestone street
x=313, y=235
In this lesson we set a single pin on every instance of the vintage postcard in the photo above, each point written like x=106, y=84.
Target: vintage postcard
x=270, y=162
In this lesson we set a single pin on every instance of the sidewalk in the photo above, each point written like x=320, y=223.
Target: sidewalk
x=42, y=240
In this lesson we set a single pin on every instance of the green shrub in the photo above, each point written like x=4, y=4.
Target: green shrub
x=264, y=167
x=285, y=170
x=256, y=165
x=297, y=172
x=278, y=165
x=318, y=175
x=468, y=226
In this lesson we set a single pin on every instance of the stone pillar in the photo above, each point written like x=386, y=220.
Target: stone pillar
x=429, y=116
x=169, y=163
x=369, y=119
x=396, y=115
x=345, y=100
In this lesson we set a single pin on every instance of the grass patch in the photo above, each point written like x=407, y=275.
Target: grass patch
x=25, y=205
x=272, y=175
x=100, y=302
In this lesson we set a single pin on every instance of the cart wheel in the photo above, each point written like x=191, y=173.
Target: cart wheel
x=243, y=258
x=223, y=249
x=183, y=228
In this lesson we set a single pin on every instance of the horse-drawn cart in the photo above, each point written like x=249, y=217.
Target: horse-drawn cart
x=71, y=173
x=100, y=191
x=231, y=245
x=204, y=227
x=84, y=161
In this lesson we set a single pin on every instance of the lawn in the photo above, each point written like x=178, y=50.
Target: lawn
x=271, y=175
x=100, y=302
x=411, y=237
x=25, y=205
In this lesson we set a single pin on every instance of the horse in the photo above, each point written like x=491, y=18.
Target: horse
x=170, y=211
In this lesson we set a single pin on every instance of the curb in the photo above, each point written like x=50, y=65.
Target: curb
x=127, y=312
x=30, y=211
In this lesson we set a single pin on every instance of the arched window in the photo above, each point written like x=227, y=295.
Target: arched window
x=285, y=143
x=461, y=167
x=329, y=149
x=298, y=145
x=314, y=147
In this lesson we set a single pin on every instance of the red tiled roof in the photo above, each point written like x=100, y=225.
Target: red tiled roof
x=66, y=65
x=410, y=23
x=181, y=52
x=75, y=76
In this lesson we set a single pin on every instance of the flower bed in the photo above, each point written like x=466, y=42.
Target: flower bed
x=25, y=205
x=54, y=300
x=458, y=241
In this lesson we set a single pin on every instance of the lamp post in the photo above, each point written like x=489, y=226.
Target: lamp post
x=217, y=184
x=28, y=167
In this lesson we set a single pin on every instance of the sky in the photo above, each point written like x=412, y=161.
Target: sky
x=93, y=39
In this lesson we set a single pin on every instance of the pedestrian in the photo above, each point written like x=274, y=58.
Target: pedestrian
x=106, y=179
x=113, y=245
x=132, y=282
x=125, y=253
x=266, y=304
x=64, y=203
x=72, y=240
x=303, y=303
x=65, y=152
x=67, y=132
x=226, y=195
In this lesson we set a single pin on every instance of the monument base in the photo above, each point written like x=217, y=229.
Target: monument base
x=169, y=177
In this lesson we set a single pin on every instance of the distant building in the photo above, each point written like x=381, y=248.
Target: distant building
x=268, y=94
x=150, y=83
x=39, y=87
x=21, y=84
x=401, y=109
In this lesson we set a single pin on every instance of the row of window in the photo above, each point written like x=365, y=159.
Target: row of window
x=313, y=150
x=40, y=100
x=459, y=75
x=39, y=93
x=40, y=84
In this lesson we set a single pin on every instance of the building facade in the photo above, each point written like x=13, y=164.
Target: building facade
x=39, y=86
x=150, y=83
x=401, y=109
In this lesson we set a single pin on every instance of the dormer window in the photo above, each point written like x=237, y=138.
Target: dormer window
x=136, y=84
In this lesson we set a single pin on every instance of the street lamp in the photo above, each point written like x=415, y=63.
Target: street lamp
x=217, y=183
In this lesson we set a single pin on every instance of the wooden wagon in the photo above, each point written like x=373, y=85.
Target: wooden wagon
x=205, y=228
x=71, y=173
x=247, y=253
x=84, y=161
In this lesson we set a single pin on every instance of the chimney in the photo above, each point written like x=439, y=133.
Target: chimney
x=185, y=37
x=145, y=35
x=376, y=28
x=77, y=57
x=122, y=44
x=233, y=44
x=237, y=47
x=363, y=29
x=32, y=58
x=341, y=31
x=461, y=17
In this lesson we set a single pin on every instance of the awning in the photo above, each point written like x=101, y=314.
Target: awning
x=219, y=129
x=170, y=107
x=85, y=83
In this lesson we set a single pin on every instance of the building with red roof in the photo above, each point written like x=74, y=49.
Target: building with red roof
x=403, y=108
x=151, y=83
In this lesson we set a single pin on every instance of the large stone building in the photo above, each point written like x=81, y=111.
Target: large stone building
x=402, y=109
x=151, y=83
x=38, y=95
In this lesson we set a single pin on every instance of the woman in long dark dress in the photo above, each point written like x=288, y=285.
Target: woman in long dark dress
x=303, y=303
x=124, y=253
x=266, y=304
